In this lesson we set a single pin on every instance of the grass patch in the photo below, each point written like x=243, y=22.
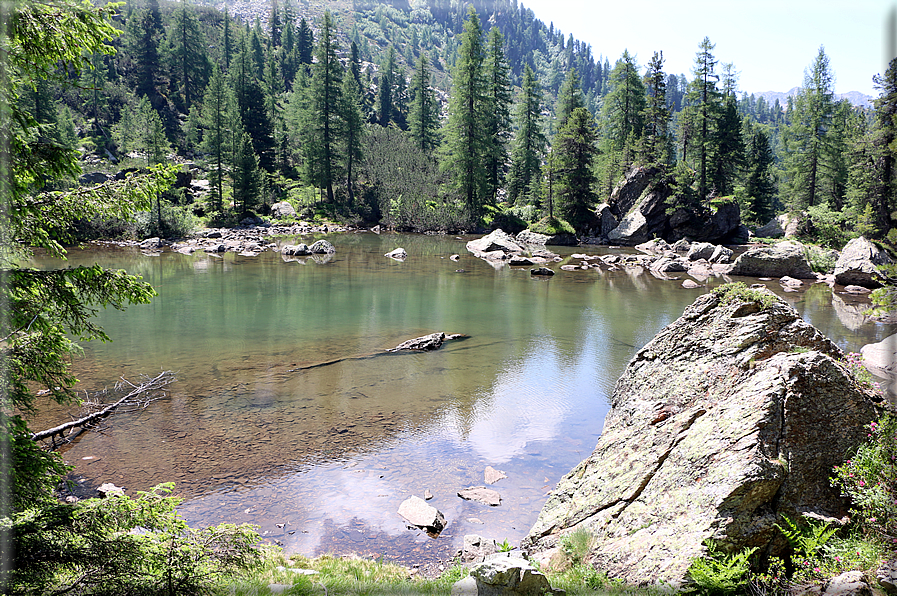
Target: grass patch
x=353, y=576
x=739, y=292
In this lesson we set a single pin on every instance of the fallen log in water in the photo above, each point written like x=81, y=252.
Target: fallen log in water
x=425, y=343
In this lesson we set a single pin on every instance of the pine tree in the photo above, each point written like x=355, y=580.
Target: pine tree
x=465, y=146
x=529, y=143
x=305, y=43
x=759, y=185
x=275, y=25
x=575, y=149
x=227, y=40
x=704, y=102
x=497, y=112
x=423, y=118
x=884, y=196
x=385, y=88
x=142, y=42
x=623, y=110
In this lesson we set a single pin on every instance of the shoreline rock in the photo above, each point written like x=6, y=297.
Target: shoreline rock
x=731, y=416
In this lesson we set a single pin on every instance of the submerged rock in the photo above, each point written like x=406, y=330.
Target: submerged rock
x=424, y=343
x=398, y=254
x=481, y=494
x=731, y=416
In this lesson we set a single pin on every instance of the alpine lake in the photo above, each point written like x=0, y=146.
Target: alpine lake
x=320, y=458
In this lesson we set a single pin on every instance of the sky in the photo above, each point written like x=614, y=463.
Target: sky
x=771, y=43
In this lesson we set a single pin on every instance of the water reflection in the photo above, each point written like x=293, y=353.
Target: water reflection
x=330, y=452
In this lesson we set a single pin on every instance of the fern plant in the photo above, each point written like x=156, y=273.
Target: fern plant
x=721, y=574
x=807, y=541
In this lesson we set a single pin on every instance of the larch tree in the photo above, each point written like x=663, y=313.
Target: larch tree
x=497, y=112
x=569, y=98
x=528, y=146
x=423, y=117
x=466, y=145
x=703, y=100
x=218, y=123
x=575, y=148
x=323, y=121
x=657, y=113
x=623, y=110
x=807, y=137
x=352, y=131
x=42, y=312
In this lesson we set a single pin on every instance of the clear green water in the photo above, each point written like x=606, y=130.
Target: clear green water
x=322, y=458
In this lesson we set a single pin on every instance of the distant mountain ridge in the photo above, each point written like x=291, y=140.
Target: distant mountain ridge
x=857, y=99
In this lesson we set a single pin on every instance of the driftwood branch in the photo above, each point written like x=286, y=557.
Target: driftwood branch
x=149, y=390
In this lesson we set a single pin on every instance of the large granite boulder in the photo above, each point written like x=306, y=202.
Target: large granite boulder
x=785, y=258
x=859, y=262
x=322, y=247
x=784, y=225
x=881, y=357
x=731, y=416
x=282, y=209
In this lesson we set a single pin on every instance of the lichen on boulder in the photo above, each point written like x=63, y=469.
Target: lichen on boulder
x=731, y=416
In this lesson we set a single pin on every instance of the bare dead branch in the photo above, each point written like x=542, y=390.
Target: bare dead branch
x=147, y=391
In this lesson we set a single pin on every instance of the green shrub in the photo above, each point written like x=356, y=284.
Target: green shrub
x=175, y=222
x=869, y=478
x=831, y=228
x=552, y=226
x=120, y=545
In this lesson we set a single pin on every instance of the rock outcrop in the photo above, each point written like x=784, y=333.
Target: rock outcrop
x=785, y=258
x=498, y=247
x=859, y=262
x=731, y=416
x=640, y=209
